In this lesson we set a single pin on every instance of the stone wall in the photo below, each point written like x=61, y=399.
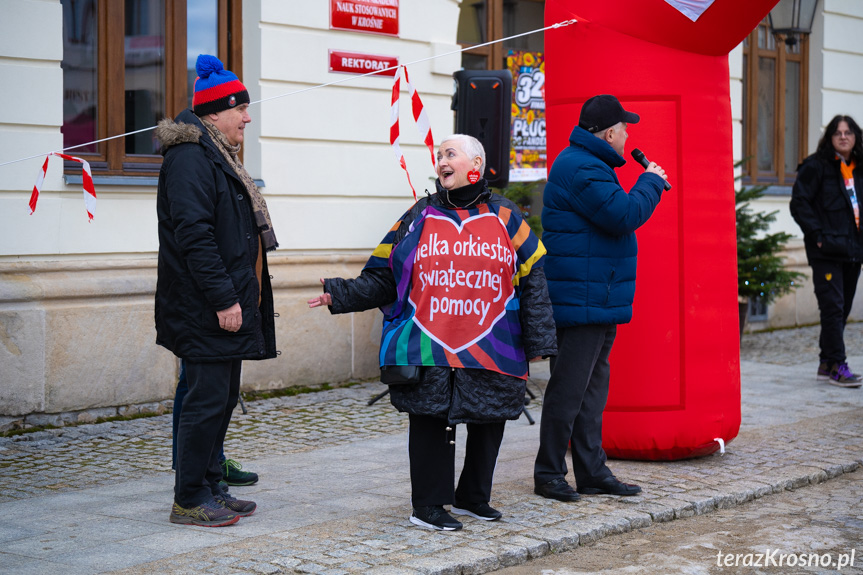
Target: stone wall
x=800, y=306
x=78, y=337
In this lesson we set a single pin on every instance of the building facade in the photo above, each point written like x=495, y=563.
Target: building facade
x=783, y=94
x=76, y=297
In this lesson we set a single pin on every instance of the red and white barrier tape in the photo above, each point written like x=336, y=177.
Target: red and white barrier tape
x=420, y=117
x=89, y=190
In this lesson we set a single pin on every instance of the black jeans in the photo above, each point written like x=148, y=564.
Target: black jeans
x=835, y=297
x=179, y=397
x=214, y=389
x=432, y=460
x=573, y=404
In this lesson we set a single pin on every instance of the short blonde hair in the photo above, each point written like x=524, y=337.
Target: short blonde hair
x=470, y=146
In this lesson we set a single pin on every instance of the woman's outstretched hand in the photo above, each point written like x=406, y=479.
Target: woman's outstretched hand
x=321, y=300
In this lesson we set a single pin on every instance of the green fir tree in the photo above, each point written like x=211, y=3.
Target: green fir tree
x=760, y=270
x=521, y=194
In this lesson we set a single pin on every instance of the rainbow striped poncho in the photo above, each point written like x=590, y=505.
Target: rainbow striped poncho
x=457, y=273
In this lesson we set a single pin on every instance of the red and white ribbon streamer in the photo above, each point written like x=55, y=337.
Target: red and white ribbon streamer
x=87, y=176
x=420, y=117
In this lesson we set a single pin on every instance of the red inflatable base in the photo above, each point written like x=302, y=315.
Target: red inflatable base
x=646, y=453
x=675, y=369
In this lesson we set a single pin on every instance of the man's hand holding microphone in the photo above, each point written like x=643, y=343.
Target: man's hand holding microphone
x=651, y=167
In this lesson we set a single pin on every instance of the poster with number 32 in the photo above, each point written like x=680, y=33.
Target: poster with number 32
x=527, y=156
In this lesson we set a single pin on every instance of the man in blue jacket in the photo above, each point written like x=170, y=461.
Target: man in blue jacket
x=589, y=225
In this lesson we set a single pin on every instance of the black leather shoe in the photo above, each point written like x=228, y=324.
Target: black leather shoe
x=434, y=517
x=557, y=489
x=610, y=486
x=482, y=511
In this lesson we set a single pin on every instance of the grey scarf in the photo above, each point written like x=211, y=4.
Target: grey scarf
x=259, y=206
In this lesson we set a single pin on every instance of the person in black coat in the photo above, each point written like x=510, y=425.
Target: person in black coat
x=824, y=203
x=214, y=301
x=460, y=281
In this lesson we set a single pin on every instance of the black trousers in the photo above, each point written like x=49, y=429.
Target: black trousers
x=432, y=460
x=214, y=389
x=835, y=285
x=573, y=404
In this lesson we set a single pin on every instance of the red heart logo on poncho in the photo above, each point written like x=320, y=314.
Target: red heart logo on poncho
x=461, y=279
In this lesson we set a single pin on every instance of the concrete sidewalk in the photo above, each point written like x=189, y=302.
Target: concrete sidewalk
x=334, y=490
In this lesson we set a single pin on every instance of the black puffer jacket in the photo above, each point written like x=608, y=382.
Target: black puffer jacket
x=822, y=208
x=458, y=395
x=208, y=246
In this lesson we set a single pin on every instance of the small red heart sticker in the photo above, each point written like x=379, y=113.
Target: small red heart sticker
x=473, y=176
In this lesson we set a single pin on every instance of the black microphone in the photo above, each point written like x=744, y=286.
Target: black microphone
x=639, y=157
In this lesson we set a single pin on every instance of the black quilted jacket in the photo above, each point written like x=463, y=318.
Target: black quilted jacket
x=822, y=208
x=458, y=395
x=208, y=246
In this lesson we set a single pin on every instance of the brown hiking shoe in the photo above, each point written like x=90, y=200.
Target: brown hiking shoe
x=238, y=506
x=207, y=514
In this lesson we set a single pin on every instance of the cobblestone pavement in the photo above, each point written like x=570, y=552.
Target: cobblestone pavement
x=100, y=454
x=334, y=490
x=819, y=533
x=794, y=346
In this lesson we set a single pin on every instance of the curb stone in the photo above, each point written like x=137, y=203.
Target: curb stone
x=575, y=533
x=794, y=434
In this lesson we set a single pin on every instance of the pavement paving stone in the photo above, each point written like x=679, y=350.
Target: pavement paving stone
x=334, y=492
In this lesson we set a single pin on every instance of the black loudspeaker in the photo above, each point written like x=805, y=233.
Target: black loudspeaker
x=483, y=108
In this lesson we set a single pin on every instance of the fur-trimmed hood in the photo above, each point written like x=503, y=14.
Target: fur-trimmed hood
x=171, y=133
x=204, y=213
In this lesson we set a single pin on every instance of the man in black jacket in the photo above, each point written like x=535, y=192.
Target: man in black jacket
x=824, y=204
x=214, y=301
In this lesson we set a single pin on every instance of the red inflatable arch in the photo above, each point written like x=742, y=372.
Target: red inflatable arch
x=675, y=378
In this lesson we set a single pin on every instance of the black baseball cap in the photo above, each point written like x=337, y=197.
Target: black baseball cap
x=604, y=111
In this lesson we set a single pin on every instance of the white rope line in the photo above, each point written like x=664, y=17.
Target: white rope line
x=310, y=88
x=377, y=72
x=78, y=146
